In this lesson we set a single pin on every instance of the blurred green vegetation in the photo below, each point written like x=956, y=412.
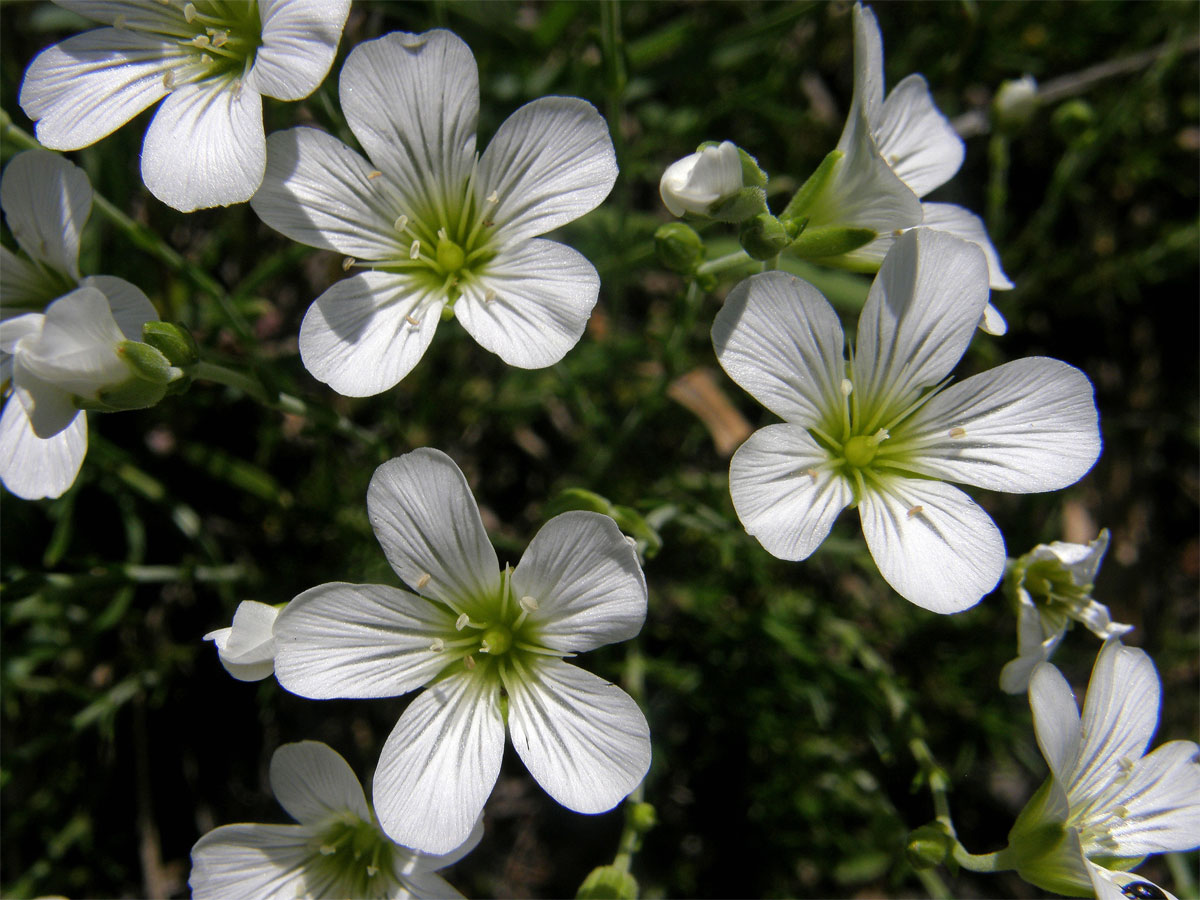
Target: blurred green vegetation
x=784, y=699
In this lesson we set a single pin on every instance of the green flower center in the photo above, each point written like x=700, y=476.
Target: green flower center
x=860, y=450
x=355, y=856
x=224, y=35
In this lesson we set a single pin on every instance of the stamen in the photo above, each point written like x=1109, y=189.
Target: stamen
x=462, y=622
x=957, y=432
x=371, y=176
x=412, y=320
x=169, y=80
x=189, y=14
x=347, y=263
x=493, y=197
x=237, y=88
x=441, y=233
x=438, y=645
x=200, y=40
x=415, y=250
x=423, y=580
x=528, y=604
x=372, y=871
x=916, y=510
x=847, y=387
x=206, y=59
x=489, y=296
x=220, y=38
x=401, y=223
x=469, y=661
x=812, y=473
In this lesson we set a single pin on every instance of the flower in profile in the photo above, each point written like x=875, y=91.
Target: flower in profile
x=1107, y=803
x=439, y=228
x=213, y=61
x=81, y=350
x=892, y=152
x=247, y=648
x=336, y=851
x=883, y=432
x=1051, y=587
x=711, y=182
x=487, y=644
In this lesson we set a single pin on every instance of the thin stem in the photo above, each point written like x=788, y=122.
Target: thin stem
x=724, y=263
x=984, y=862
x=634, y=682
x=612, y=48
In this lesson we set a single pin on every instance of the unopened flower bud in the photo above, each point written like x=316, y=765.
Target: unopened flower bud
x=679, y=248
x=929, y=846
x=173, y=341
x=1014, y=104
x=608, y=883
x=702, y=180
x=1073, y=119
x=764, y=236
x=643, y=817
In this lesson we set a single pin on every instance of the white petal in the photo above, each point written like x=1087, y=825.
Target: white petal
x=1111, y=885
x=439, y=764
x=23, y=286
x=934, y=544
x=784, y=491
x=586, y=581
x=367, y=332
x=868, y=63
x=135, y=15
x=965, y=224
x=779, y=339
x=412, y=101
x=428, y=524
x=1120, y=715
x=312, y=781
x=1033, y=647
x=131, y=309
x=266, y=861
x=416, y=862
x=919, y=317
x=247, y=648
x=542, y=294
x=46, y=200
x=91, y=84
x=299, y=40
x=583, y=739
x=1028, y=425
x=549, y=163
x=51, y=409
x=918, y=142
x=1055, y=720
x=358, y=640
x=205, y=146
x=1081, y=560
x=1162, y=797
x=13, y=330
x=428, y=885
x=33, y=467
x=319, y=192
x=76, y=351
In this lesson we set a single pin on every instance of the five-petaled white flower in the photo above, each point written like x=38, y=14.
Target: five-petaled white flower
x=488, y=644
x=1107, y=803
x=881, y=431
x=438, y=227
x=1051, y=586
x=896, y=151
x=212, y=60
x=247, y=647
x=337, y=851
x=68, y=351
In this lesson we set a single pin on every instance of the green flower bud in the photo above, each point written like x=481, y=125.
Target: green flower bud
x=1014, y=105
x=929, y=846
x=764, y=236
x=608, y=883
x=151, y=375
x=1073, y=119
x=831, y=240
x=679, y=248
x=643, y=817
x=173, y=341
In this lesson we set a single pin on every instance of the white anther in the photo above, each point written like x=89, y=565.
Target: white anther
x=326, y=849
x=438, y=645
x=220, y=38
x=958, y=432
x=916, y=510
x=811, y=473
x=469, y=661
x=423, y=580
x=237, y=87
x=201, y=40
x=169, y=80
x=412, y=320
x=206, y=59
x=528, y=603
x=484, y=648
x=347, y=263
x=372, y=871
x=371, y=176
x=847, y=387
x=493, y=197
x=401, y=223
x=442, y=236
x=898, y=232
x=414, y=250
x=189, y=13
x=462, y=622
x=880, y=436
x=489, y=295
x=1126, y=764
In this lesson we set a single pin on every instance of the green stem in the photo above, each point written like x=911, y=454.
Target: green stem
x=613, y=51
x=634, y=681
x=724, y=263
x=984, y=862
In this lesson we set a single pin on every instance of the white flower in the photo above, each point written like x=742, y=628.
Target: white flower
x=337, y=851
x=247, y=648
x=699, y=181
x=896, y=151
x=1052, y=586
x=70, y=349
x=1015, y=103
x=882, y=431
x=439, y=227
x=212, y=61
x=487, y=644
x=1107, y=803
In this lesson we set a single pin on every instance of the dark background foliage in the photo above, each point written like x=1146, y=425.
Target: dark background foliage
x=783, y=698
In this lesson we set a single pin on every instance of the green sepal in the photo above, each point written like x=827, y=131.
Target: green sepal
x=764, y=236
x=173, y=341
x=745, y=204
x=831, y=240
x=812, y=189
x=608, y=883
x=929, y=846
x=679, y=248
x=1040, y=847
